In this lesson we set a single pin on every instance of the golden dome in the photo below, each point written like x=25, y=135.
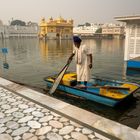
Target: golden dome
x=43, y=22
x=60, y=19
x=70, y=20
x=50, y=19
x=43, y=19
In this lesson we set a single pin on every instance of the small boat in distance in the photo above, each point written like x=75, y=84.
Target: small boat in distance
x=107, y=92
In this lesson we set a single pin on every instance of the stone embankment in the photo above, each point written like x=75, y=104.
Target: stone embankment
x=28, y=114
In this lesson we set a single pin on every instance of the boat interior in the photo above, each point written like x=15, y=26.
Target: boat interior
x=108, y=88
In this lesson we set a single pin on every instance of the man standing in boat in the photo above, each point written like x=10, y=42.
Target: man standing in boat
x=83, y=57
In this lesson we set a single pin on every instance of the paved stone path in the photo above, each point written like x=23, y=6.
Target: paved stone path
x=21, y=119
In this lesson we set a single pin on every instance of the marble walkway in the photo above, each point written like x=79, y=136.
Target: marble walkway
x=22, y=119
x=26, y=114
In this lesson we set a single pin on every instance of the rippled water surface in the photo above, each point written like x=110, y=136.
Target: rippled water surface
x=30, y=60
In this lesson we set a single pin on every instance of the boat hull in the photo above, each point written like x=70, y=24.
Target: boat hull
x=132, y=64
x=107, y=92
x=81, y=93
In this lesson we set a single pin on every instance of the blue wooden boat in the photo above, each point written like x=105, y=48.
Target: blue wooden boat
x=107, y=92
x=134, y=63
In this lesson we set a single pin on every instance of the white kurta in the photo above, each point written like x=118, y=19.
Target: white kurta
x=82, y=62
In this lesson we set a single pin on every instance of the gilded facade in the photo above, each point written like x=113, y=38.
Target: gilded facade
x=56, y=28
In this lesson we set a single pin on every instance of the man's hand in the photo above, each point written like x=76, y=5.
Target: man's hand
x=90, y=57
x=90, y=65
x=70, y=58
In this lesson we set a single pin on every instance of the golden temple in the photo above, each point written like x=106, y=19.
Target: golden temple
x=56, y=28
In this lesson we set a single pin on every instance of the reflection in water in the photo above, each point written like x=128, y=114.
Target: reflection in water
x=57, y=48
x=43, y=49
x=29, y=57
x=132, y=72
x=99, y=46
x=31, y=60
x=108, y=58
x=133, y=75
x=4, y=54
x=55, y=54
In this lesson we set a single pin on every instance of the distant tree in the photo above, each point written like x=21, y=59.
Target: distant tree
x=18, y=22
x=87, y=24
x=80, y=25
x=99, y=30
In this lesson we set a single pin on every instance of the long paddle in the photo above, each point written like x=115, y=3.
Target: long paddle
x=59, y=78
x=108, y=87
x=113, y=87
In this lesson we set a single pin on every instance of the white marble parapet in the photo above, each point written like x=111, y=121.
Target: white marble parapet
x=138, y=128
x=103, y=128
x=18, y=31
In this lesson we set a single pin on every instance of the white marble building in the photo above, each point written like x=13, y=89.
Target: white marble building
x=18, y=31
x=87, y=30
x=132, y=42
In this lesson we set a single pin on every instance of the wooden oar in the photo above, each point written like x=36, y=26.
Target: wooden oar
x=107, y=87
x=59, y=78
x=113, y=87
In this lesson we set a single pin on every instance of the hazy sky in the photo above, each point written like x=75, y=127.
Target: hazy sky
x=80, y=10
